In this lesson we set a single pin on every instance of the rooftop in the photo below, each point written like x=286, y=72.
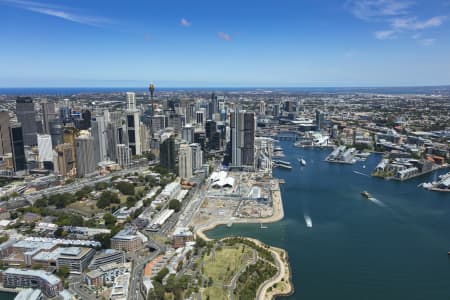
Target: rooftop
x=50, y=278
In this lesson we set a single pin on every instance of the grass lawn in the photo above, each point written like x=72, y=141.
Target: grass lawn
x=221, y=266
x=139, y=188
x=123, y=198
x=86, y=208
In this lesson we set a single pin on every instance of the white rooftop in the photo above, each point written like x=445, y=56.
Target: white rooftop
x=50, y=278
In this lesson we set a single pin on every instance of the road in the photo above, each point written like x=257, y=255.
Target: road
x=134, y=292
x=261, y=293
x=192, y=207
x=75, y=286
x=242, y=270
x=75, y=186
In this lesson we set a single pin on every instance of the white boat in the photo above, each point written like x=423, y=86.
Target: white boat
x=263, y=226
x=303, y=162
x=283, y=166
x=308, y=221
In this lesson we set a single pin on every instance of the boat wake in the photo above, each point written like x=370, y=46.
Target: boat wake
x=376, y=201
x=308, y=220
x=360, y=173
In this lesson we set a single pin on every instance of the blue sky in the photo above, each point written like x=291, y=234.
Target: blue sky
x=304, y=43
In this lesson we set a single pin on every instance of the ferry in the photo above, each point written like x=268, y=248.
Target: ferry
x=366, y=194
x=277, y=148
x=283, y=166
x=281, y=162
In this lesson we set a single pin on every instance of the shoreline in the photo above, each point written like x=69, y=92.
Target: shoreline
x=281, y=284
x=278, y=215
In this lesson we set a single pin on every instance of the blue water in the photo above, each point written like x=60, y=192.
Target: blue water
x=357, y=249
x=66, y=91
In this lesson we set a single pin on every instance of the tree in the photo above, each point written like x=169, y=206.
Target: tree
x=131, y=201
x=104, y=239
x=99, y=186
x=83, y=193
x=161, y=274
x=41, y=202
x=63, y=272
x=106, y=198
x=199, y=242
x=175, y=205
x=109, y=219
x=125, y=188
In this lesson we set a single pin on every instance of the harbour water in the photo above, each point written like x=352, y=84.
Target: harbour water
x=7, y=296
x=392, y=248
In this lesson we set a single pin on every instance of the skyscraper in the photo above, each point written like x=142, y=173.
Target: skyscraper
x=114, y=137
x=84, y=152
x=131, y=101
x=85, y=122
x=65, y=161
x=17, y=146
x=100, y=138
x=158, y=122
x=200, y=118
x=185, y=161
x=123, y=155
x=5, y=141
x=145, y=138
x=26, y=116
x=262, y=107
x=320, y=119
x=190, y=113
x=242, y=139
x=167, y=151
x=134, y=132
x=48, y=114
x=197, y=156
x=56, y=131
x=213, y=106
x=45, y=148
x=65, y=112
x=187, y=133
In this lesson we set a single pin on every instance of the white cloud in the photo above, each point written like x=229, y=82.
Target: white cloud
x=225, y=36
x=58, y=12
x=185, y=23
x=396, y=15
x=413, y=24
x=385, y=34
x=372, y=9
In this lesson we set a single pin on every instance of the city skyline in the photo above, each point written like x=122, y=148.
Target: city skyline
x=308, y=44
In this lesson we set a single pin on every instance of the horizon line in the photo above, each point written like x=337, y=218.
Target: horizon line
x=231, y=87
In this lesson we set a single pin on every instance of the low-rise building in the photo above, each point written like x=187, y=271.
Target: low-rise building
x=49, y=284
x=107, y=256
x=126, y=240
x=107, y=274
x=76, y=259
x=180, y=236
